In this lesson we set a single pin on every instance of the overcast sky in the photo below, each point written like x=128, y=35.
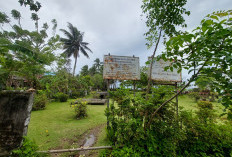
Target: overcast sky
x=110, y=26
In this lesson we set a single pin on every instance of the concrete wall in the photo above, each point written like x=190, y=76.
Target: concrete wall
x=15, y=111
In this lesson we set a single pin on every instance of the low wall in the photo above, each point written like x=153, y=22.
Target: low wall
x=15, y=111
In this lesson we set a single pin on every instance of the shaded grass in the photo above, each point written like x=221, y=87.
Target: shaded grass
x=189, y=104
x=50, y=128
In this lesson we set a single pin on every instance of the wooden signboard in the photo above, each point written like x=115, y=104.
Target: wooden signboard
x=159, y=74
x=121, y=67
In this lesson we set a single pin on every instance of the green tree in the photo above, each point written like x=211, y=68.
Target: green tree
x=142, y=83
x=84, y=70
x=208, y=50
x=204, y=82
x=98, y=82
x=162, y=18
x=93, y=70
x=85, y=82
x=74, y=44
x=34, y=49
x=35, y=6
x=97, y=64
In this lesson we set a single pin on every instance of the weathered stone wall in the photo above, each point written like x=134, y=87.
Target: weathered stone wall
x=15, y=110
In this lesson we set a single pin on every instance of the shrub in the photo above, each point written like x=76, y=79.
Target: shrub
x=129, y=117
x=40, y=101
x=195, y=96
x=197, y=134
x=28, y=149
x=229, y=115
x=77, y=94
x=74, y=95
x=61, y=97
x=80, y=109
x=204, y=139
x=213, y=96
x=95, y=95
x=205, y=105
x=205, y=112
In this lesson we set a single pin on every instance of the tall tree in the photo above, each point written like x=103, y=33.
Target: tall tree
x=207, y=49
x=74, y=44
x=97, y=63
x=163, y=16
x=33, y=48
x=84, y=70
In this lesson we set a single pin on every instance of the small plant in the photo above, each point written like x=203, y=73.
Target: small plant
x=95, y=95
x=74, y=95
x=28, y=149
x=205, y=112
x=229, y=116
x=195, y=96
x=62, y=97
x=80, y=108
x=40, y=101
x=77, y=94
x=205, y=105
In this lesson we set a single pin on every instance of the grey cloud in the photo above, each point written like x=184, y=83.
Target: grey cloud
x=110, y=26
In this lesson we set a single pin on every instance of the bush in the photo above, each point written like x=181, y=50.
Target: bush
x=28, y=149
x=205, y=112
x=40, y=101
x=205, y=105
x=229, y=115
x=95, y=95
x=61, y=97
x=80, y=109
x=129, y=117
x=77, y=94
x=195, y=96
x=74, y=95
x=204, y=139
x=197, y=134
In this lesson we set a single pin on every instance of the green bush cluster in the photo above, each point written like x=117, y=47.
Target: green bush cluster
x=28, y=149
x=167, y=135
x=229, y=115
x=80, y=108
x=95, y=95
x=197, y=96
x=40, y=101
x=205, y=105
x=61, y=97
x=194, y=95
x=77, y=94
x=128, y=122
x=203, y=137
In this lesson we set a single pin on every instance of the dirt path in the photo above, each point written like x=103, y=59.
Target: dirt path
x=87, y=139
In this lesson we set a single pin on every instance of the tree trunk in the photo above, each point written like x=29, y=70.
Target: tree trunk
x=74, y=69
x=151, y=64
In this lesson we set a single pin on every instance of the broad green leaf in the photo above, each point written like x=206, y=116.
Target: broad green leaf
x=214, y=17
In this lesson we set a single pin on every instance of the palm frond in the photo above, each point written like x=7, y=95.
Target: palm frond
x=84, y=52
x=85, y=47
x=74, y=31
x=84, y=43
x=67, y=34
x=64, y=40
x=68, y=53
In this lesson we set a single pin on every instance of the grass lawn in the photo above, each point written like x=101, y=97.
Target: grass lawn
x=56, y=126
x=52, y=127
x=189, y=104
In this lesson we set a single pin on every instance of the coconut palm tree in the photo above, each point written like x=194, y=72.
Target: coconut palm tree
x=74, y=44
x=97, y=63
